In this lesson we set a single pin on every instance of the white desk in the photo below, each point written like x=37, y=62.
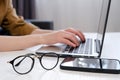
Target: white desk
x=111, y=46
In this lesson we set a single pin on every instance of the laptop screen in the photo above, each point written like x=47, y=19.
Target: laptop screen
x=103, y=21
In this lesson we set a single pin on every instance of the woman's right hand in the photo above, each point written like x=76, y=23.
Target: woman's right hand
x=62, y=36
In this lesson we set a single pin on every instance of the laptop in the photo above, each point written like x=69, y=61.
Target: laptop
x=92, y=46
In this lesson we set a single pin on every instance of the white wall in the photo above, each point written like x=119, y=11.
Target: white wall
x=80, y=14
x=114, y=17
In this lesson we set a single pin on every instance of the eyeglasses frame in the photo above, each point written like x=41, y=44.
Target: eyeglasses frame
x=39, y=56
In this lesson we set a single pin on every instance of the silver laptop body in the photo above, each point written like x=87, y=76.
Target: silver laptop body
x=91, y=48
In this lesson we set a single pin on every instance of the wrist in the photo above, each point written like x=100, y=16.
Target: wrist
x=37, y=39
x=41, y=31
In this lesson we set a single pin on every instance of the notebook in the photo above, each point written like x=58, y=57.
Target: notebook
x=92, y=46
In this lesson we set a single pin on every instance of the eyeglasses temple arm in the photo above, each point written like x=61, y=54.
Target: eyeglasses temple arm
x=20, y=61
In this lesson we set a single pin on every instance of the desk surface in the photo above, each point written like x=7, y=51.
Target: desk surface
x=111, y=46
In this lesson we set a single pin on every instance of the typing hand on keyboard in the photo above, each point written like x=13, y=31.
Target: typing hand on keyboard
x=83, y=48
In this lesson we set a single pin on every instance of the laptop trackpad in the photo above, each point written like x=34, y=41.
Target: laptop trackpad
x=52, y=48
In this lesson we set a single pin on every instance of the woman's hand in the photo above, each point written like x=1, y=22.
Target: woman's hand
x=67, y=36
x=77, y=33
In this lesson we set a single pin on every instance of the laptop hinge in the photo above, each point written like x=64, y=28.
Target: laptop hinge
x=97, y=45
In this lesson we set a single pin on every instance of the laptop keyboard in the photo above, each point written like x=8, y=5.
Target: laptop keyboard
x=83, y=48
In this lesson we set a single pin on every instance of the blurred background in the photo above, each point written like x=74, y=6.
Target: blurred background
x=80, y=14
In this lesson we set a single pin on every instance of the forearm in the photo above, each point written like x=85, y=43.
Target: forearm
x=8, y=43
x=41, y=31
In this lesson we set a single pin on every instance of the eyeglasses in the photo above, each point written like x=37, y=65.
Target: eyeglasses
x=24, y=64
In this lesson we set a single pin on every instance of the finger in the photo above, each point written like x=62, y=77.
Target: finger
x=78, y=33
x=72, y=38
x=68, y=42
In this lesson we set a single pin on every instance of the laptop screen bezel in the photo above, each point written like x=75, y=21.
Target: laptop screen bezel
x=105, y=26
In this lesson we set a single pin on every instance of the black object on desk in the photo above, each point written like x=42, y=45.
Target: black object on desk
x=99, y=65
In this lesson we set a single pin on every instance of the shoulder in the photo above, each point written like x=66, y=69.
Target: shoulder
x=5, y=2
x=8, y=2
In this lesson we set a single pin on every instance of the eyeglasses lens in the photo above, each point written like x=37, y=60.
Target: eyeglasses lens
x=23, y=64
x=49, y=62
